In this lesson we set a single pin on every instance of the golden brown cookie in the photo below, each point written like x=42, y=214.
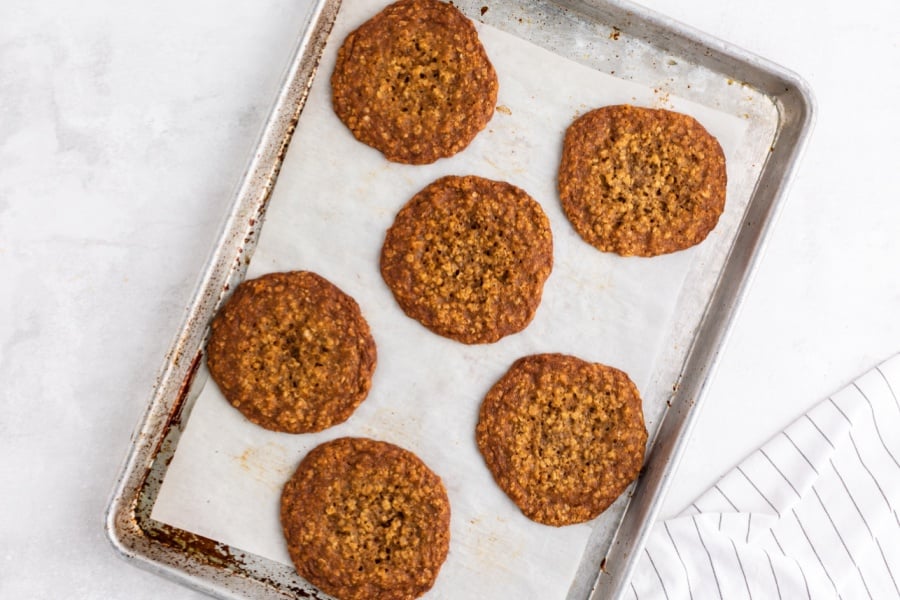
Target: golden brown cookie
x=414, y=82
x=641, y=182
x=366, y=520
x=562, y=437
x=292, y=352
x=467, y=257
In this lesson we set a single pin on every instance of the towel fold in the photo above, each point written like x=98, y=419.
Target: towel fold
x=811, y=514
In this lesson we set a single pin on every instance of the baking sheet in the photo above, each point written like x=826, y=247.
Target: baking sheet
x=332, y=203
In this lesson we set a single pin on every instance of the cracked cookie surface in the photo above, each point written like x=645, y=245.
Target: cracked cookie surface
x=641, y=182
x=292, y=352
x=414, y=82
x=366, y=520
x=468, y=257
x=562, y=437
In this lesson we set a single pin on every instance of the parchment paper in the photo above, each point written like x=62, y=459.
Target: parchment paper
x=332, y=204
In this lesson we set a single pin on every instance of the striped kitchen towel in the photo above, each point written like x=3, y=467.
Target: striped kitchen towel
x=811, y=514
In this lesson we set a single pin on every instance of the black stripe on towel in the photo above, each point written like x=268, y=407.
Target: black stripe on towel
x=758, y=491
x=687, y=577
x=655, y=570
x=709, y=556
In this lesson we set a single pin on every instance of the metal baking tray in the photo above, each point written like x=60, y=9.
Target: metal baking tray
x=612, y=36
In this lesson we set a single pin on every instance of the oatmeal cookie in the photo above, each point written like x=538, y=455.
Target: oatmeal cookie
x=641, y=182
x=292, y=352
x=467, y=257
x=366, y=520
x=414, y=82
x=562, y=437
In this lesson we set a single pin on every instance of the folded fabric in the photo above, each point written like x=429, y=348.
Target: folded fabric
x=811, y=514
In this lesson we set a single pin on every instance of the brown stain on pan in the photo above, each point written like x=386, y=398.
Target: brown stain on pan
x=175, y=415
x=194, y=546
x=216, y=554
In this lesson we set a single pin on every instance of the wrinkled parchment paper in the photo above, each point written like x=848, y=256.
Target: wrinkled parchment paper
x=332, y=204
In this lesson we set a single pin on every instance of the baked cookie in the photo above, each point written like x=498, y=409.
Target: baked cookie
x=467, y=257
x=292, y=352
x=562, y=437
x=366, y=520
x=641, y=182
x=414, y=82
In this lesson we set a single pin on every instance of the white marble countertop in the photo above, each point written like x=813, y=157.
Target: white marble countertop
x=123, y=130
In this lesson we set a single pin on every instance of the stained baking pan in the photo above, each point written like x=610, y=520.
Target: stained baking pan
x=663, y=319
